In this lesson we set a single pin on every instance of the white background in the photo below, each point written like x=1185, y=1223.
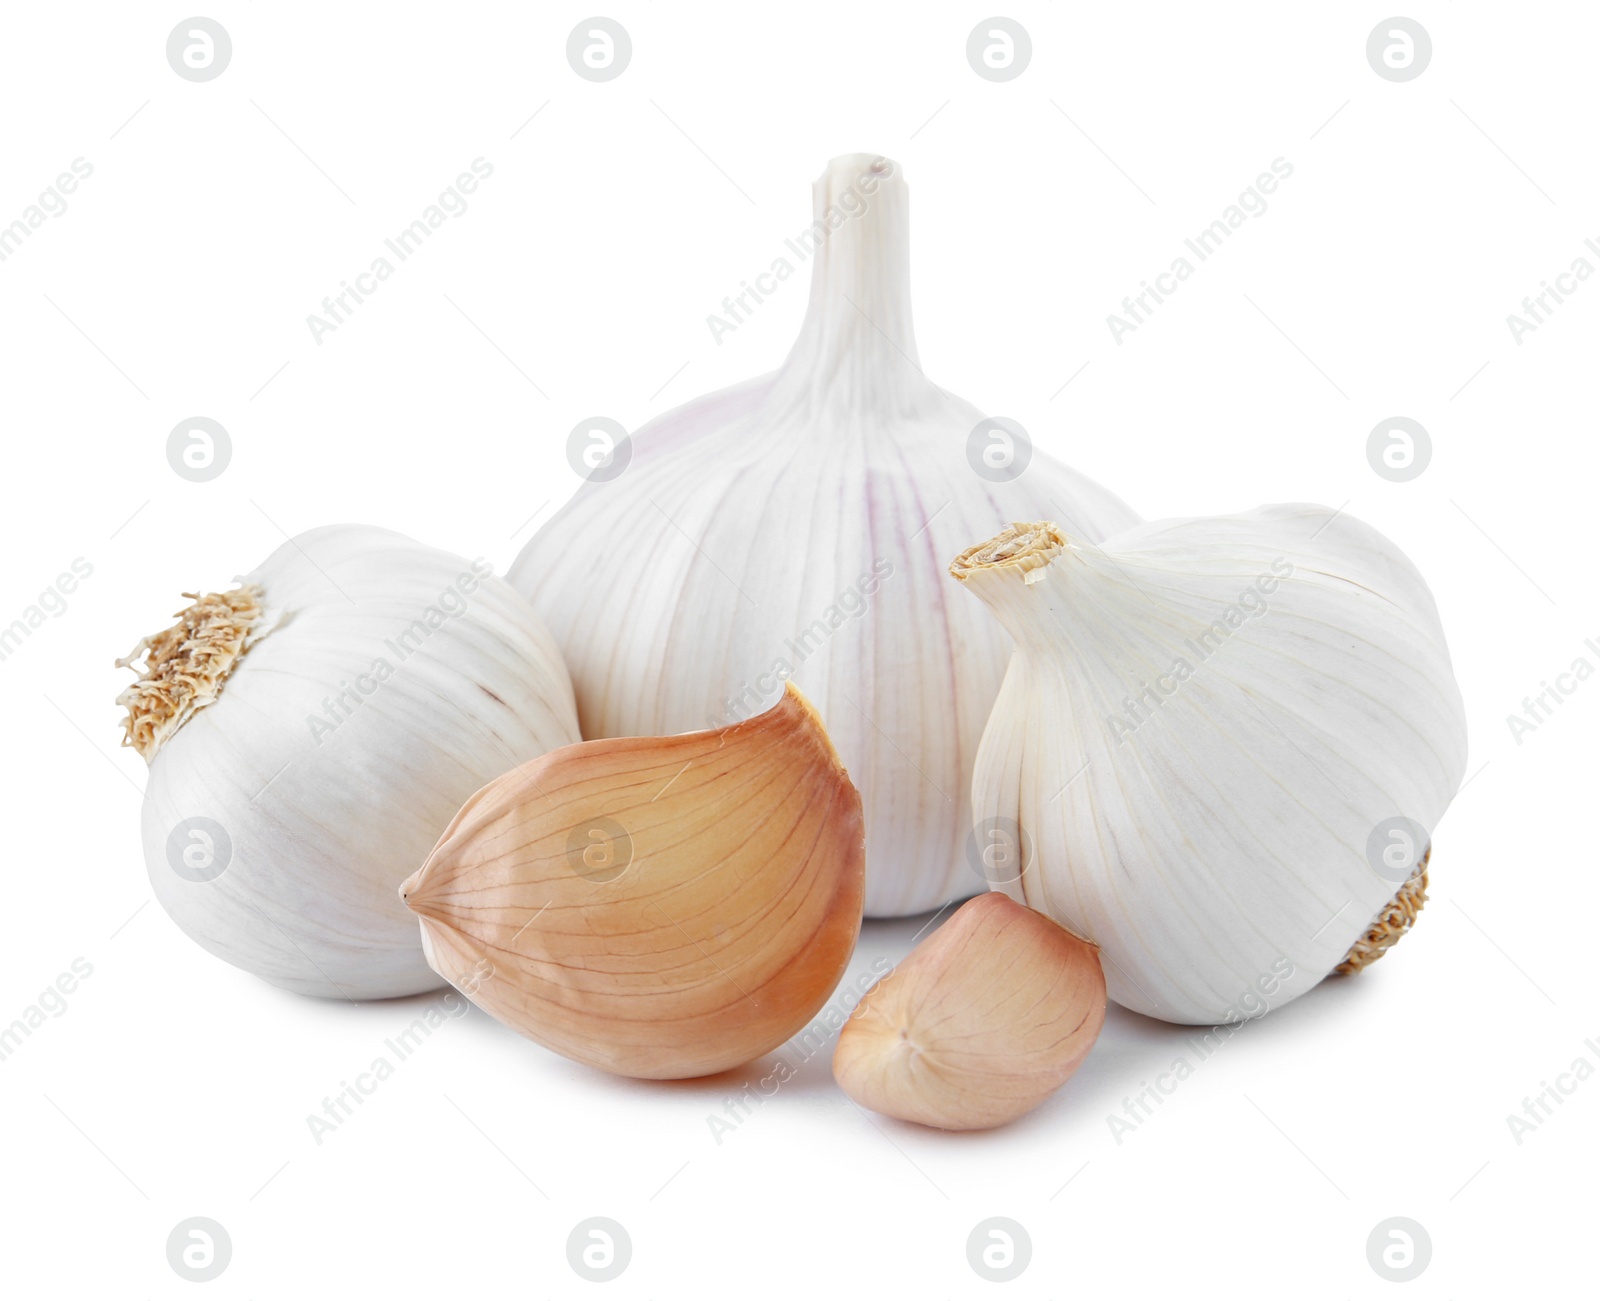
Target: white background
x=178, y=283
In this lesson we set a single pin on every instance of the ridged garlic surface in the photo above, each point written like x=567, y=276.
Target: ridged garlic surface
x=310, y=735
x=1221, y=746
x=797, y=526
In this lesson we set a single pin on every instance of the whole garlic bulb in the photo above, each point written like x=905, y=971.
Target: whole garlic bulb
x=1221, y=747
x=312, y=732
x=795, y=527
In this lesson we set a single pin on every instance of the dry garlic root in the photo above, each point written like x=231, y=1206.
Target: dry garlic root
x=986, y=1019
x=657, y=907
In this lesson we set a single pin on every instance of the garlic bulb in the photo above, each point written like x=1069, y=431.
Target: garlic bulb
x=988, y=1017
x=311, y=733
x=1221, y=747
x=794, y=527
x=658, y=907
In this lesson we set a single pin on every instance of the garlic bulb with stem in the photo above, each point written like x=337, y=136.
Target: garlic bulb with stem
x=1221, y=748
x=310, y=734
x=796, y=527
x=660, y=907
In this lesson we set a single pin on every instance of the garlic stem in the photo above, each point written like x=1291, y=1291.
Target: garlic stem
x=1034, y=580
x=857, y=347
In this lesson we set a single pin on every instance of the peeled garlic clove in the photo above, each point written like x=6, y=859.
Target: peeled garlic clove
x=795, y=527
x=985, y=1020
x=657, y=907
x=309, y=735
x=1221, y=747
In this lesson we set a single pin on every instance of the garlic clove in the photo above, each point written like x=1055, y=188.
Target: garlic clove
x=309, y=735
x=796, y=527
x=1221, y=747
x=657, y=907
x=985, y=1020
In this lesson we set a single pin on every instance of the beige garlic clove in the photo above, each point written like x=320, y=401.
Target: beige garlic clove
x=657, y=907
x=986, y=1019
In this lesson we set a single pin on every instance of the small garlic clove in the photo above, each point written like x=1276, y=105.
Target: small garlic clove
x=657, y=907
x=986, y=1019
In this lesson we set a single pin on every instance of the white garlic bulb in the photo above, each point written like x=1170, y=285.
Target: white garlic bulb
x=795, y=527
x=310, y=735
x=1221, y=748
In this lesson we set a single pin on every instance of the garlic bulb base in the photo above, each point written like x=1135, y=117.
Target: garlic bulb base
x=1389, y=925
x=185, y=665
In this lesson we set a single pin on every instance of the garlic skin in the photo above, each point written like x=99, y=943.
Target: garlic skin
x=659, y=907
x=1203, y=726
x=329, y=717
x=986, y=1018
x=795, y=527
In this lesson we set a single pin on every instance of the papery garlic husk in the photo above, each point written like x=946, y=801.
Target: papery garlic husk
x=796, y=526
x=1207, y=737
x=657, y=907
x=986, y=1018
x=311, y=733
